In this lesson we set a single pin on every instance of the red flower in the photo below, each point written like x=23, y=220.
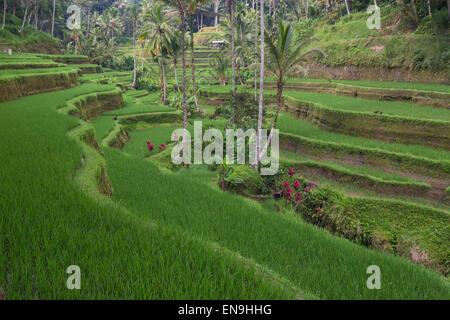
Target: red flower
x=150, y=147
x=298, y=196
x=285, y=184
x=307, y=190
x=288, y=193
x=297, y=185
x=291, y=172
x=148, y=142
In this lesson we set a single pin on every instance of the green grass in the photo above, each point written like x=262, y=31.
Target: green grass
x=137, y=145
x=310, y=258
x=25, y=64
x=102, y=125
x=48, y=223
x=12, y=73
x=400, y=109
x=361, y=170
x=380, y=84
x=288, y=124
x=131, y=108
x=357, y=191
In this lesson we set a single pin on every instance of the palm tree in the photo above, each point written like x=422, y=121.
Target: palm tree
x=159, y=35
x=219, y=65
x=284, y=61
x=230, y=4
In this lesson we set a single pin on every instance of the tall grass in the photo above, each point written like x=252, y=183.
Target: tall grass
x=47, y=224
x=288, y=124
x=310, y=258
x=402, y=109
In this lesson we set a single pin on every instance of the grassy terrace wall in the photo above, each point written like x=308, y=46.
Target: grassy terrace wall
x=426, y=98
x=379, y=74
x=414, y=232
x=69, y=59
x=431, y=133
x=91, y=106
x=93, y=176
x=398, y=188
x=13, y=87
x=6, y=64
x=366, y=156
x=135, y=122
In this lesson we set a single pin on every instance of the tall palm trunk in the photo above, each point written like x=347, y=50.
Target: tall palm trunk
x=429, y=8
x=24, y=16
x=175, y=72
x=256, y=48
x=216, y=14
x=53, y=18
x=261, y=86
x=275, y=119
x=163, y=73
x=347, y=7
x=36, y=14
x=134, y=55
x=233, y=70
x=194, y=84
x=183, y=64
x=306, y=2
x=448, y=8
x=5, y=6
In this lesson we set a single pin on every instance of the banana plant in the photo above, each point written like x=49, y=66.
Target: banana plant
x=225, y=173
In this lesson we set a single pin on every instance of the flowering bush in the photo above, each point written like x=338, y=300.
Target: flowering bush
x=292, y=188
x=150, y=147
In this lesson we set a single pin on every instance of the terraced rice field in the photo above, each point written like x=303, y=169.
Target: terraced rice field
x=80, y=183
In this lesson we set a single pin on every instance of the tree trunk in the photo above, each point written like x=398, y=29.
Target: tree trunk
x=216, y=14
x=233, y=71
x=194, y=84
x=89, y=20
x=36, y=15
x=256, y=49
x=261, y=86
x=448, y=8
x=183, y=64
x=375, y=3
x=238, y=69
x=5, y=6
x=275, y=119
x=347, y=7
x=163, y=69
x=306, y=2
x=53, y=18
x=134, y=55
x=429, y=8
x=175, y=72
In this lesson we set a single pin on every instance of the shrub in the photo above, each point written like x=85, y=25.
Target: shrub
x=125, y=63
x=251, y=179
